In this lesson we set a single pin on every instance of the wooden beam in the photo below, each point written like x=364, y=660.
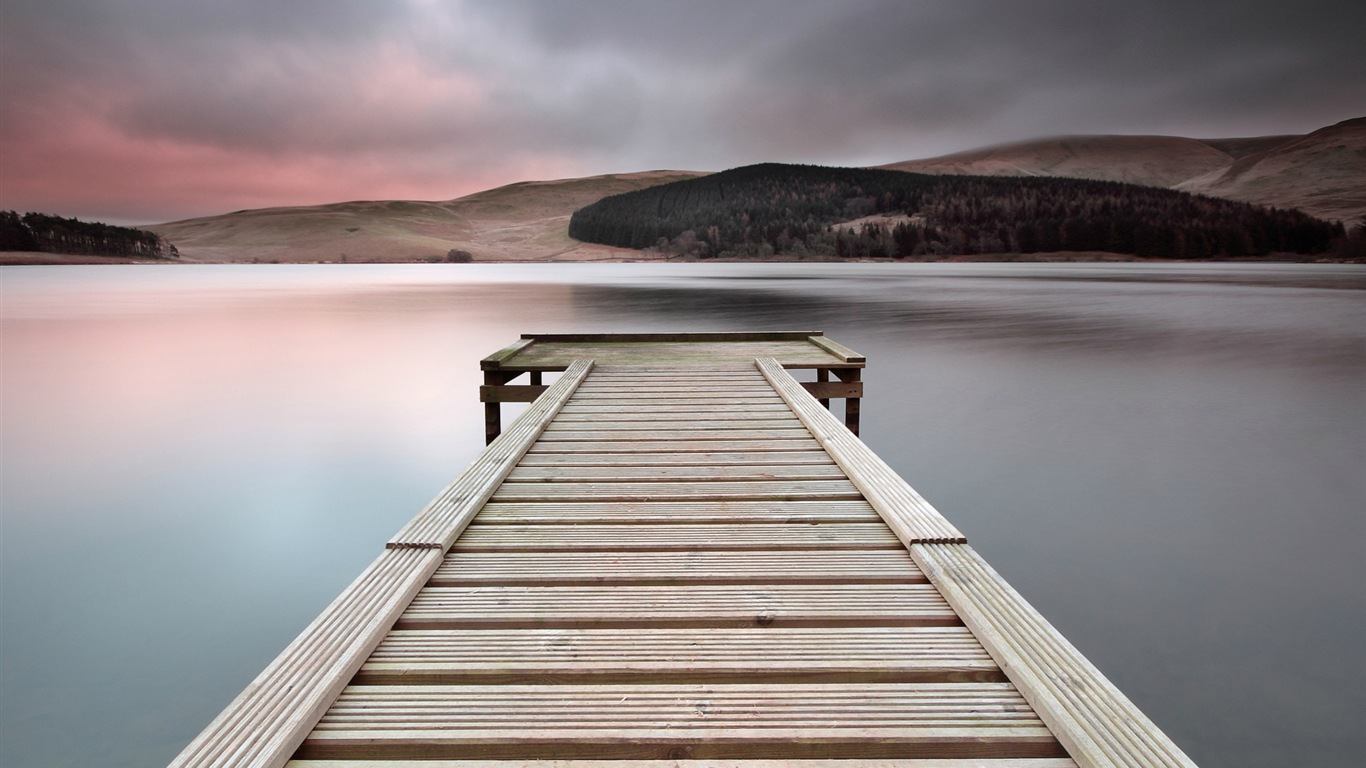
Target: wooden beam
x=912, y=518
x=1097, y=724
x=588, y=338
x=510, y=393
x=263, y=726
x=446, y=516
x=824, y=390
x=837, y=349
x=496, y=360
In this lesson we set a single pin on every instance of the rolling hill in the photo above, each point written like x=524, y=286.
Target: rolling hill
x=527, y=221
x=1322, y=173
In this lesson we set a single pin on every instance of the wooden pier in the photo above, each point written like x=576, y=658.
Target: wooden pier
x=677, y=556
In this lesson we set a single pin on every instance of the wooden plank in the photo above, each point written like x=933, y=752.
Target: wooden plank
x=442, y=520
x=593, y=656
x=496, y=359
x=1091, y=717
x=807, y=444
x=676, y=536
x=748, y=425
x=751, y=435
x=833, y=763
x=832, y=389
x=510, y=393
x=613, y=416
x=715, y=384
x=547, y=354
x=648, y=512
x=664, y=568
x=906, y=511
x=723, y=458
x=837, y=349
x=701, y=605
x=742, y=490
x=696, y=337
x=702, y=721
x=709, y=411
x=271, y=717
x=614, y=474
x=685, y=398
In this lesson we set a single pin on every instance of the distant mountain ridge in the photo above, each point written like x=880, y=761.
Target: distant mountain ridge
x=1322, y=173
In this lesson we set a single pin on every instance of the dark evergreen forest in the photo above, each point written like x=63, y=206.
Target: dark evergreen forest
x=54, y=234
x=762, y=210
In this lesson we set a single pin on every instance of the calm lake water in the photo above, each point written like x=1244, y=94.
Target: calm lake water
x=1166, y=460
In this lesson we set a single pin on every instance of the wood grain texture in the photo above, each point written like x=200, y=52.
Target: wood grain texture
x=694, y=459
x=705, y=605
x=659, y=474
x=913, y=518
x=833, y=763
x=675, y=536
x=263, y=726
x=676, y=567
x=656, y=512
x=699, y=490
x=721, y=720
x=776, y=655
x=442, y=520
x=1095, y=721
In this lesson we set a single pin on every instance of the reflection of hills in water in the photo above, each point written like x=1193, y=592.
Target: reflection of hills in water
x=1172, y=313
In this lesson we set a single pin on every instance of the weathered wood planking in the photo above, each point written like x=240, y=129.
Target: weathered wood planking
x=700, y=422
x=683, y=564
x=913, y=519
x=676, y=536
x=442, y=520
x=739, y=490
x=718, y=445
x=646, y=512
x=660, y=474
x=268, y=720
x=1091, y=717
x=674, y=567
x=867, y=654
x=694, y=459
x=707, y=721
x=835, y=763
x=693, y=605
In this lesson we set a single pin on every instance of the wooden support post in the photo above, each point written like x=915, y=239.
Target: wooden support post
x=851, y=404
x=493, y=409
x=535, y=377
x=823, y=376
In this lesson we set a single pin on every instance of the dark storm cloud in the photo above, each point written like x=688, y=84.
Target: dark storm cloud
x=435, y=98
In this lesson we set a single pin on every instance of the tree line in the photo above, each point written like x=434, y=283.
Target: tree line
x=54, y=234
x=768, y=209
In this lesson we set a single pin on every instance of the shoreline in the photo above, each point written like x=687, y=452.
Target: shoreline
x=24, y=258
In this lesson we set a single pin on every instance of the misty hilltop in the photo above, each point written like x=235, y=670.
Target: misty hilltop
x=1322, y=173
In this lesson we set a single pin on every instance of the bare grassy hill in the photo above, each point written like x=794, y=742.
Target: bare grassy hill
x=1322, y=173
x=527, y=221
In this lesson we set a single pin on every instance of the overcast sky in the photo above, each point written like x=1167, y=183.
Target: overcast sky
x=152, y=110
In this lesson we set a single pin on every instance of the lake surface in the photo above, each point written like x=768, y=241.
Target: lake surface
x=1165, y=460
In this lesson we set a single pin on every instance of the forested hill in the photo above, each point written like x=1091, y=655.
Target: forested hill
x=53, y=234
x=760, y=210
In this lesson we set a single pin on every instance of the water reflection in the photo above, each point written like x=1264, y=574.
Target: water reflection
x=1164, y=460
